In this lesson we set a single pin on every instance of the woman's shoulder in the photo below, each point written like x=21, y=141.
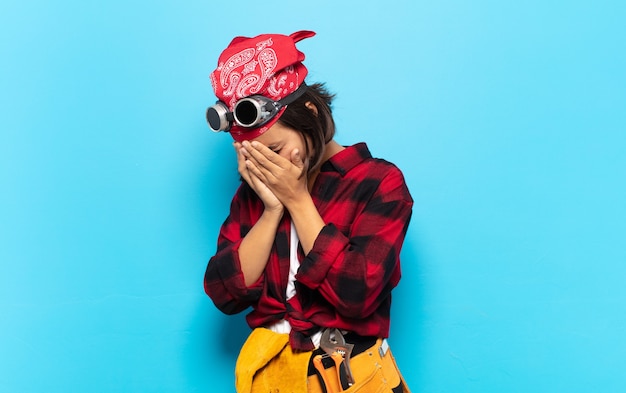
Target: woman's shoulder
x=377, y=174
x=373, y=163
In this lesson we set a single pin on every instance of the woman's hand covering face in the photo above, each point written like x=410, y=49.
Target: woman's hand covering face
x=270, y=173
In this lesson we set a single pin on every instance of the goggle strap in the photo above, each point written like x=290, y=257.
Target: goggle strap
x=293, y=96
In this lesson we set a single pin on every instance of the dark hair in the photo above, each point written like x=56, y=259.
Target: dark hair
x=317, y=128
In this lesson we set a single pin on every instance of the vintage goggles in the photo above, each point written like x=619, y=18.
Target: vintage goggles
x=249, y=112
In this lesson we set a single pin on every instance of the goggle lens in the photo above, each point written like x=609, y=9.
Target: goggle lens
x=254, y=111
x=218, y=117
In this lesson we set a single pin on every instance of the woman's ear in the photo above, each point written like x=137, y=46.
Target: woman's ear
x=311, y=106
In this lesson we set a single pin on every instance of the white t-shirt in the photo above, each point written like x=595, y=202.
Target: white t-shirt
x=283, y=325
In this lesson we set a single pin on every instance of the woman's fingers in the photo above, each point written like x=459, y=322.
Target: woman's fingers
x=241, y=163
x=258, y=185
x=264, y=156
x=255, y=170
x=296, y=159
x=253, y=176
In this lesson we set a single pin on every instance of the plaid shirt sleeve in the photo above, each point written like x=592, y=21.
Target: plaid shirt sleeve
x=223, y=280
x=356, y=269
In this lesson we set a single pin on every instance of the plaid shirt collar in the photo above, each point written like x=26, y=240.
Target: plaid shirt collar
x=347, y=159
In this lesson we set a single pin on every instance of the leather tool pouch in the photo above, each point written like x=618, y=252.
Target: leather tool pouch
x=374, y=370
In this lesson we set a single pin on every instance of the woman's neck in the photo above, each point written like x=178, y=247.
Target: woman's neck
x=330, y=150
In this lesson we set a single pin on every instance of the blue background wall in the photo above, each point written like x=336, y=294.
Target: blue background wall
x=508, y=120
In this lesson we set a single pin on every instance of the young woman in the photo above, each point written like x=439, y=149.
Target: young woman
x=314, y=234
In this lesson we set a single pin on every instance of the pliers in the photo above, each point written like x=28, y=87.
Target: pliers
x=339, y=351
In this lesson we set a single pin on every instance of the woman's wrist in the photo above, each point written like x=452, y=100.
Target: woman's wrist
x=298, y=202
x=274, y=212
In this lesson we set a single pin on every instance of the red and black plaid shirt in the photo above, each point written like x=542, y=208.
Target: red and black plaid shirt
x=345, y=281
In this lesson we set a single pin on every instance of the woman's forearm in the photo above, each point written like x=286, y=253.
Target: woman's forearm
x=307, y=221
x=256, y=246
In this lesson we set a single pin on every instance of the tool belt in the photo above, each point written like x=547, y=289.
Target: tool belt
x=267, y=363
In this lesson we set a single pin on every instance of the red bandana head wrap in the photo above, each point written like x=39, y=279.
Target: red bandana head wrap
x=268, y=64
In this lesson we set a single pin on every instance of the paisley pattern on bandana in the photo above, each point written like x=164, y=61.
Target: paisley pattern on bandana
x=233, y=63
x=243, y=75
x=276, y=85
